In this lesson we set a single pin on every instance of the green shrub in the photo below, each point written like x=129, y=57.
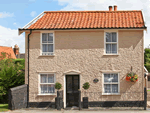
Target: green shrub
x=58, y=85
x=11, y=75
x=86, y=85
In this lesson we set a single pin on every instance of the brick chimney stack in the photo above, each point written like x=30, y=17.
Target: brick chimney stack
x=16, y=49
x=115, y=8
x=110, y=8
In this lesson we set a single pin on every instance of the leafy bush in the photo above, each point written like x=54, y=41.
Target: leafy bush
x=86, y=85
x=147, y=59
x=58, y=85
x=11, y=75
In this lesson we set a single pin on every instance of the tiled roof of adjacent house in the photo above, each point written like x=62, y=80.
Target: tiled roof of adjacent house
x=8, y=51
x=88, y=20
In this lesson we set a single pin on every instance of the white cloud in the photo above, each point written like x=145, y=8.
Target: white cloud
x=9, y=37
x=6, y=14
x=33, y=13
x=143, y=5
x=14, y=23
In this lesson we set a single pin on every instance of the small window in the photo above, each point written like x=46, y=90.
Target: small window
x=111, y=42
x=47, y=44
x=148, y=78
x=47, y=82
x=111, y=83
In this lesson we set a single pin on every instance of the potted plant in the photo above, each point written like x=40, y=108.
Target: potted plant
x=133, y=77
x=86, y=86
x=58, y=99
x=58, y=85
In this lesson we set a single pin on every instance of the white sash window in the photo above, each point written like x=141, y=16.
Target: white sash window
x=47, y=83
x=110, y=83
x=111, y=43
x=47, y=43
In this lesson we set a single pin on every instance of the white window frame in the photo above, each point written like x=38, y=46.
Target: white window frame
x=103, y=92
x=110, y=42
x=47, y=53
x=39, y=84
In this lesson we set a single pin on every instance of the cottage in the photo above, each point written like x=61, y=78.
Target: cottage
x=104, y=48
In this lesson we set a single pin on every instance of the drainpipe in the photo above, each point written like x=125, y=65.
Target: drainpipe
x=28, y=71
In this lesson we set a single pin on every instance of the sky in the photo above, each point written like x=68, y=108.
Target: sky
x=16, y=14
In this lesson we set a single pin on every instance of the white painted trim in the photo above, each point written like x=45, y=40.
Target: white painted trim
x=46, y=72
x=143, y=17
x=145, y=69
x=65, y=86
x=72, y=72
x=109, y=31
x=110, y=71
x=111, y=94
x=39, y=83
x=34, y=20
x=110, y=83
x=51, y=43
x=47, y=94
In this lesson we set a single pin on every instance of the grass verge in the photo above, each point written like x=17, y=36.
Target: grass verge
x=3, y=107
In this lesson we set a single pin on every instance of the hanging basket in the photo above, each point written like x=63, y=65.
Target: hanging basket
x=133, y=77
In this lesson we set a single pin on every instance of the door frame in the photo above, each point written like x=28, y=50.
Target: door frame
x=65, y=85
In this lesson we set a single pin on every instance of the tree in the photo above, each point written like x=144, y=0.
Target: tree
x=11, y=75
x=147, y=59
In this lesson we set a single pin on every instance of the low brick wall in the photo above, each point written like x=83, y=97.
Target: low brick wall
x=18, y=97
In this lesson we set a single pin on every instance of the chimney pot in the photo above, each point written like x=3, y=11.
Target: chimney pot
x=115, y=8
x=110, y=8
x=16, y=49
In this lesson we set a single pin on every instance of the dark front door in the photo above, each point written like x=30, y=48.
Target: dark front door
x=72, y=94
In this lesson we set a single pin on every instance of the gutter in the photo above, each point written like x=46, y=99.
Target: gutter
x=28, y=71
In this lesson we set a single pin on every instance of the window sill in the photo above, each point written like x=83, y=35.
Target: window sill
x=111, y=94
x=47, y=94
x=47, y=55
x=111, y=54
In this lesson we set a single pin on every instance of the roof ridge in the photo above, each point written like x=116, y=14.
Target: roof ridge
x=91, y=11
x=5, y=46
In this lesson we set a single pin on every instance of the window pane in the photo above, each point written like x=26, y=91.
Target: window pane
x=50, y=78
x=148, y=78
x=114, y=48
x=44, y=47
x=44, y=37
x=108, y=48
x=50, y=38
x=106, y=77
x=43, y=88
x=107, y=88
x=115, y=77
x=50, y=47
x=108, y=37
x=114, y=37
x=51, y=88
x=43, y=78
x=114, y=88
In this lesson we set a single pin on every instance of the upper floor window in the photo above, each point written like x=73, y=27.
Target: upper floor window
x=111, y=43
x=47, y=43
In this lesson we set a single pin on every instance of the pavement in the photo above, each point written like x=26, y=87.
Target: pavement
x=80, y=111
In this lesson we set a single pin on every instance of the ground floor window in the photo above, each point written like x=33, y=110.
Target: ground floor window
x=47, y=83
x=110, y=83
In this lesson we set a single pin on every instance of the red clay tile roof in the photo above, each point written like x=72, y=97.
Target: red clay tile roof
x=89, y=20
x=8, y=51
